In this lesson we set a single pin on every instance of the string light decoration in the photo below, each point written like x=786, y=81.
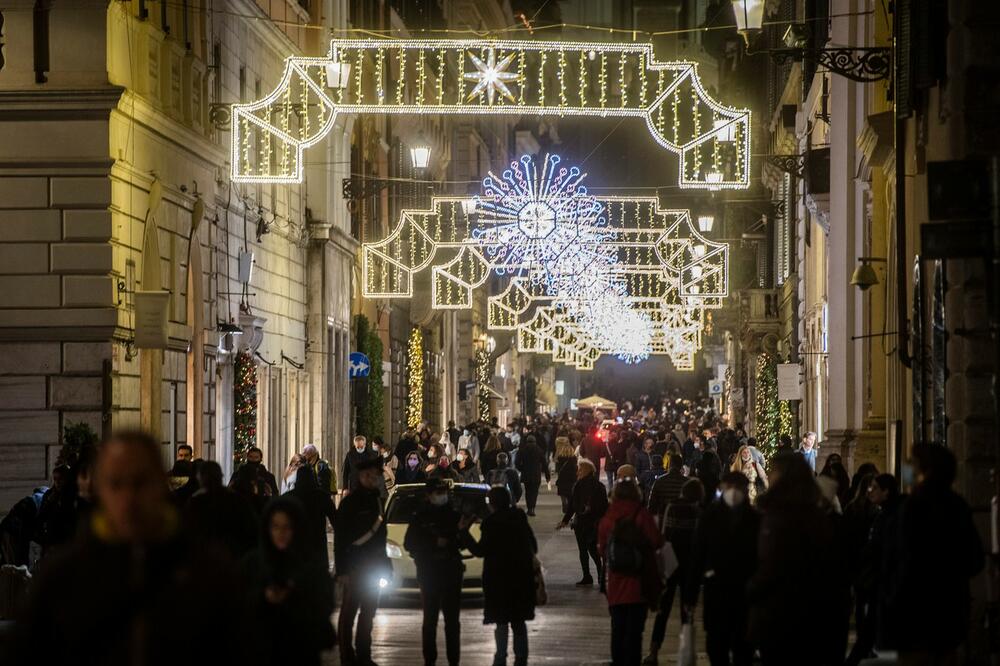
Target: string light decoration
x=658, y=253
x=637, y=287
x=768, y=425
x=415, y=378
x=244, y=405
x=660, y=93
x=483, y=372
x=542, y=220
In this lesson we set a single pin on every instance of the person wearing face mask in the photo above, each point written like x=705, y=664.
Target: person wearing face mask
x=411, y=471
x=723, y=558
x=432, y=539
x=466, y=468
x=358, y=453
x=389, y=462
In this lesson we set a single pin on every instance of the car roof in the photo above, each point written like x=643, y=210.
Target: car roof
x=413, y=487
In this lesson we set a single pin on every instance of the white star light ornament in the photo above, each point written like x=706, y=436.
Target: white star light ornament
x=491, y=76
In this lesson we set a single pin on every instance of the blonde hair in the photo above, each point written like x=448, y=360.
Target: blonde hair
x=563, y=448
x=492, y=444
x=737, y=465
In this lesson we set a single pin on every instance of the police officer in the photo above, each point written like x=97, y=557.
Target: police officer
x=360, y=560
x=432, y=539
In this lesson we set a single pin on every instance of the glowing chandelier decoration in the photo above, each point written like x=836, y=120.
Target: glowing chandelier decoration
x=543, y=222
x=495, y=77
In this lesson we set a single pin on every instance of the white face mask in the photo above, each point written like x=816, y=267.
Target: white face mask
x=732, y=497
x=359, y=449
x=439, y=499
x=461, y=457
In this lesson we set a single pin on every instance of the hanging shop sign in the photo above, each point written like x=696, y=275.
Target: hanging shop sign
x=492, y=77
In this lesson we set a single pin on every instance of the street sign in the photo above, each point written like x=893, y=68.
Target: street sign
x=359, y=365
x=715, y=387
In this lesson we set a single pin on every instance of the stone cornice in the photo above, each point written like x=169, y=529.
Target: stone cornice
x=49, y=104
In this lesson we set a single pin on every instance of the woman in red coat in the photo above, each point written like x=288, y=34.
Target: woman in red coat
x=627, y=540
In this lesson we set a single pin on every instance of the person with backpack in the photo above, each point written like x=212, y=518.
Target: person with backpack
x=628, y=540
x=504, y=476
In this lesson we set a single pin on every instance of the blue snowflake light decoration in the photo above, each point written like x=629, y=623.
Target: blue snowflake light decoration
x=541, y=222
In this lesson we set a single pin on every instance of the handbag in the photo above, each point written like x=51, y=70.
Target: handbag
x=666, y=560
x=541, y=596
x=686, y=655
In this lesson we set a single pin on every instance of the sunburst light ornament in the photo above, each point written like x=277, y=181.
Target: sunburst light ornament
x=491, y=75
x=541, y=222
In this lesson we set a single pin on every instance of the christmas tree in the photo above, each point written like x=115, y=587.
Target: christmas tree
x=245, y=405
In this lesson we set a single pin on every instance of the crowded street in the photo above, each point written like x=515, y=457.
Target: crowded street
x=499, y=332
x=570, y=629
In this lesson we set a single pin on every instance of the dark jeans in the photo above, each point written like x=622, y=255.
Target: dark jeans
x=586, y=544
x=520, y=631
x=441, y=592
x=666, y=605
x=360, y=598
x=531, y=494
x=627, y=622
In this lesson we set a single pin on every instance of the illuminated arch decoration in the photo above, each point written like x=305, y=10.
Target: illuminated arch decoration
x=658, y=251
x=498, y=77
x=561, y=335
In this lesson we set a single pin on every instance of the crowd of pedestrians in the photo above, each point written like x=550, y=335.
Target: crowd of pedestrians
x=688, y=512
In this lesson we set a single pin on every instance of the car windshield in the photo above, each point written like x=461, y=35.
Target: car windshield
x=406, y=501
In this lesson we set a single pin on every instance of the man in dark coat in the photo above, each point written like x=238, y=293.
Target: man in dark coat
x=798, y=538
x=531, y=463
x=359, y=558
x=432, y=539
x=725, y=544
x=133, y=570
x=318, y=510
x=667, y=487
x=507, y=546
x=321, y=468
x=357, y=454
x=503, y=475
x=218, y=517
x=936, y=550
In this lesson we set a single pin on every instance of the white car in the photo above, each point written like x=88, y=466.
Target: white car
x=404, y=500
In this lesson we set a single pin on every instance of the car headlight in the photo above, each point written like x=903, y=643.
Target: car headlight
x=393, y=551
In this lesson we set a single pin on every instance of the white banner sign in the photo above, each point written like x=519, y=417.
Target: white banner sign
x=789, y=387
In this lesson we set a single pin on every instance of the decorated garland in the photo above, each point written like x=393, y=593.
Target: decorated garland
x=245, y=405
x=415, y=378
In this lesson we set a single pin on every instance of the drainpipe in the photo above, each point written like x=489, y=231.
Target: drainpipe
x=902, y=325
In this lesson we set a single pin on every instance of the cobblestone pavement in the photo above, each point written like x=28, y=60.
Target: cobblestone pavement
x=573, y=628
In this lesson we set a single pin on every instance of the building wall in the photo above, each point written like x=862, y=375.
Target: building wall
x=127, y=104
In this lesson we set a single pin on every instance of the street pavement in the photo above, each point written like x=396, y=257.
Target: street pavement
x=573, y=628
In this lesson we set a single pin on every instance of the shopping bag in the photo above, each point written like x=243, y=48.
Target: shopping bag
x=666, y=560
x=541, y=596
x=686, y=655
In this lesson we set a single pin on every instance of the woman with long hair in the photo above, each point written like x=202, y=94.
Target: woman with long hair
x=507, y=546
x=566, y=463
x=411, y=471
x=289, y=592
x=488, y=458
x=750, y=468
x=465, y=467
x=288, y=478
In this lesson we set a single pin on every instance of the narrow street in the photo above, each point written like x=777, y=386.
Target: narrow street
x=573, y=628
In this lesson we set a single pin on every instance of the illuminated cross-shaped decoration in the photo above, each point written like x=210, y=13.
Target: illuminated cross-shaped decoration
x=491, y=76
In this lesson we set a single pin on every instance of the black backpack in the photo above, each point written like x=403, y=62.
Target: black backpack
x=625, y=547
